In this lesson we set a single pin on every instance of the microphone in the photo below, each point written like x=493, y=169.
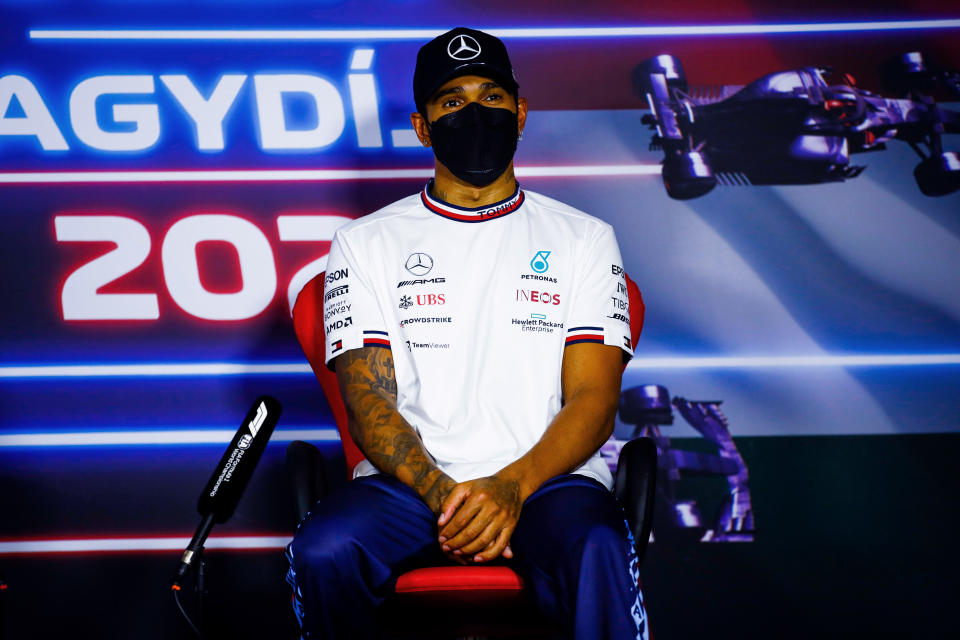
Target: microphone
x=230, y=477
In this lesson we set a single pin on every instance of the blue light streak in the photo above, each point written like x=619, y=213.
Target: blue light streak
x=224, y=369
x=152, y=437
x=420, y=34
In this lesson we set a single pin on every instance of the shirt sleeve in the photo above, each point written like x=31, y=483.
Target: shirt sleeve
x=601, y=309
x=351, y=315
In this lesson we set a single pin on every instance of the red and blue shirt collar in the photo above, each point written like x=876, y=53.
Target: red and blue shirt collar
x=475, y=214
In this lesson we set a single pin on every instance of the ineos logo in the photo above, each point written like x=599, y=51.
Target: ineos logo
x=419, y=264
x=463, y=47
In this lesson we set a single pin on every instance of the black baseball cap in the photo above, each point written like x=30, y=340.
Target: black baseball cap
x=460, y=52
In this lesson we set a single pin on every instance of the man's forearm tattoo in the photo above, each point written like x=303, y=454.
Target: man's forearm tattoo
x=368, y=385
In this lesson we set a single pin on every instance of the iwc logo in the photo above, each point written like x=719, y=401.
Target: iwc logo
x=419, y=264
x=463, y=47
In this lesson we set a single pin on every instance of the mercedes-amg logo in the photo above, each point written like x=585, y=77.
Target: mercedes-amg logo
x=419, y=264
x=463, y=47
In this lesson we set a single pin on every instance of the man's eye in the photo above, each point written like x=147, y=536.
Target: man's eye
x=493, y=97
x=449, y=104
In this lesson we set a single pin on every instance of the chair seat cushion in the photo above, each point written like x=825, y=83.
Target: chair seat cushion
x=460, y=578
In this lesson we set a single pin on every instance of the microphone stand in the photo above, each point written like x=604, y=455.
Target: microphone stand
x=201, y=587
x=193, y=559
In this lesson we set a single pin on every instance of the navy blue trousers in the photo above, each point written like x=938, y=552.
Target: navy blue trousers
x=571, y=545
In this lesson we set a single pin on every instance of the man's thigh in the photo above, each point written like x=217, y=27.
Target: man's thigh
x=568, y=526
x=562, y=512
x=377, y=516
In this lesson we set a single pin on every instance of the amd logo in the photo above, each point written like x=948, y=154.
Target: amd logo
x=340, y=324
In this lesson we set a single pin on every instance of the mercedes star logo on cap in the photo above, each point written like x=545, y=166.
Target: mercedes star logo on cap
x=463, y=47
x=419, y=264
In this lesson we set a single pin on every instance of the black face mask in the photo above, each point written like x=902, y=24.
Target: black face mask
x=476, y=143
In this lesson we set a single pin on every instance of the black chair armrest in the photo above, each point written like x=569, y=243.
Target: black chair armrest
x=305, y=470
x=634, y=487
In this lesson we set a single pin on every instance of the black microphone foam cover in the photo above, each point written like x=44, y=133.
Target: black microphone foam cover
x=231, y=475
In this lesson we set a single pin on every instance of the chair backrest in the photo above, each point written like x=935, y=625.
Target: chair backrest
x=308, y=325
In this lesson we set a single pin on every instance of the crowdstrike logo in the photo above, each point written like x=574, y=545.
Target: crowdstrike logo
x=419, y=264
x=463, y=47
x=539, y=262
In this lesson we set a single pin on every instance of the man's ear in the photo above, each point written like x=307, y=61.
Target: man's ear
x=521, y=114
x=421, y=127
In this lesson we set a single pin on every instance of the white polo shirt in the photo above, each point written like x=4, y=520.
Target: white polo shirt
x=477, y=306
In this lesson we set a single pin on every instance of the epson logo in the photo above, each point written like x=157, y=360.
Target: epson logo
x=406, y=283
x=616, y=269
x=340, y=324
x=339, y=274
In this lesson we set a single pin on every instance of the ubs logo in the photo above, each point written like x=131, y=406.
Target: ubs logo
x=419, y=264
x=423, y=300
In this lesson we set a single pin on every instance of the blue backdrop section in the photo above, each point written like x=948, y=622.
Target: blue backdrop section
x=171, y=172
x=152, y=215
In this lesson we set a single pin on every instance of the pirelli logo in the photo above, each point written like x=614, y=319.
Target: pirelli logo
x=336, y=292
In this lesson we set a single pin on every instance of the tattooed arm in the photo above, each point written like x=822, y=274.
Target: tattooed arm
x=368, y=385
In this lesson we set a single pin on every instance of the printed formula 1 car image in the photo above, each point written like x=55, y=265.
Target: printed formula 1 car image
x=677, y=518
x=796, y=127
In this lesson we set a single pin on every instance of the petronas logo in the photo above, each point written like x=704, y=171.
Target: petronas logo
x=539, y=262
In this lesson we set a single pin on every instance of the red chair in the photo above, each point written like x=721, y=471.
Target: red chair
x=439, y=599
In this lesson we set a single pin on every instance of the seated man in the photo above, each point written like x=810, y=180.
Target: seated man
x=478, y=337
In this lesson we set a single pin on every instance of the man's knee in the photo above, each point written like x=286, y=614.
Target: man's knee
x=323, y=541
x=602, y=536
